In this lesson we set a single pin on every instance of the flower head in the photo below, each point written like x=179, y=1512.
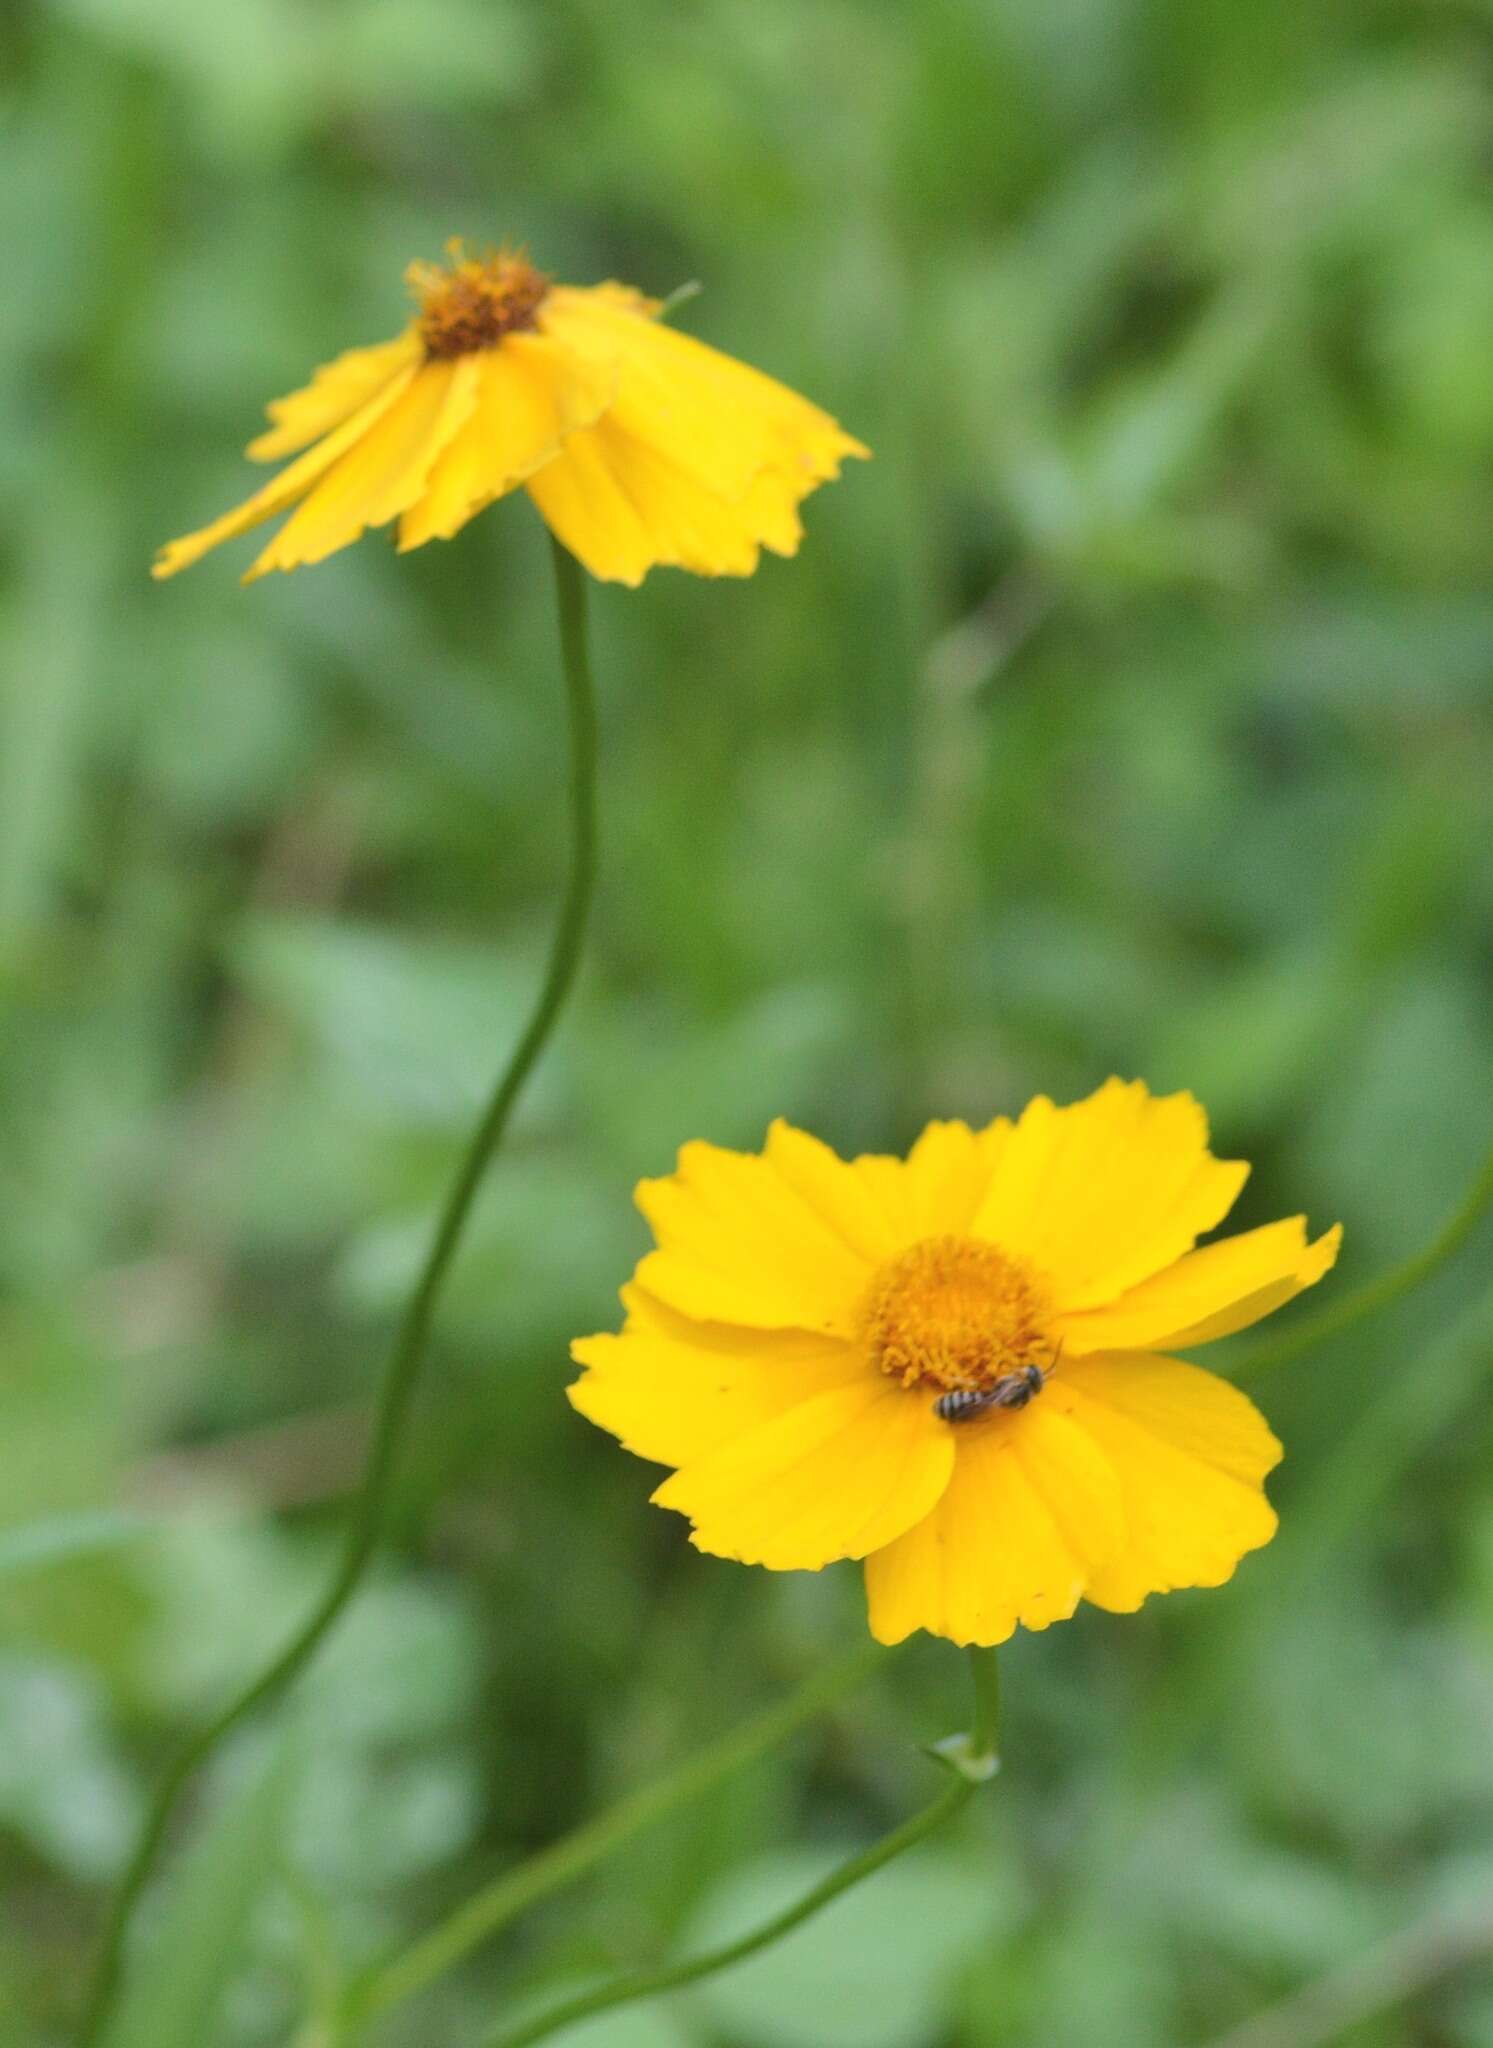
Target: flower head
x=955, y=1365
x=639, y=445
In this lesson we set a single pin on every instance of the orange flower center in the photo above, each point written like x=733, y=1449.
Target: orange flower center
x=957, y=1313
x=471, y=303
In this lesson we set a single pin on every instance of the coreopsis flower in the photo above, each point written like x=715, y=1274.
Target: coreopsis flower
x=639, y=444
x=958, y=1366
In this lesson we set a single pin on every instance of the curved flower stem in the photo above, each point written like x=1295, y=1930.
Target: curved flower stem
x=648, y=1983
x=481, y=1916
x=410, y=1343
x=1379, y=1293
x=984, y=1757
x=979, y=1750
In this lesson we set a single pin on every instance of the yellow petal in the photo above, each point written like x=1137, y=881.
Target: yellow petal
x=385, y=472
x=837, y=1476
x=671, y=1389
x=737, y=1243
x=936, y=1190
x=1032, y=1509
x=531, y=395
x=769, y=509
x=715, y=418
x=845, y=1197
x=1191, y=1455
x=338, y=390
x=283, y=490
x=625, y=297
x=584, y=506
x=623, y=508
x=1106, y=1192
x=1210, y=1293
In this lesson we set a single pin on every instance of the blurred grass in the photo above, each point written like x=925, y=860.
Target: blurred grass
x=1131, y=711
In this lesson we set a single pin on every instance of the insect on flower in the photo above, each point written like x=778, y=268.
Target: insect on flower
x=1011, y=1390
x=813, y=1336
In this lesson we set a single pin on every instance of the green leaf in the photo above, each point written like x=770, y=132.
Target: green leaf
x=57, y=1538
x=409, y=1028
x=64, y=1790
x=177, y=1986
x=873, y=1970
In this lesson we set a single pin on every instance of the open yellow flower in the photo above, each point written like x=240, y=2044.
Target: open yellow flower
x=639, y=445
x=792, y=1345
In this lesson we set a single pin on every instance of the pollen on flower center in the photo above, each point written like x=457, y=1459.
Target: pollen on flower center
x=957, y=1313
x=470, y=303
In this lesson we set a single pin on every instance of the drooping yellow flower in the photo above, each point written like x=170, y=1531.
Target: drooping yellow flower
x=955, y=1365
x=639, y=445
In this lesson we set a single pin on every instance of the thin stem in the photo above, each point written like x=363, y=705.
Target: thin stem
x=985, y=1735
x=648, y=1983
x=408, y=1353
x=564, y=1861
x=1376, y=1294
x=671, y=1976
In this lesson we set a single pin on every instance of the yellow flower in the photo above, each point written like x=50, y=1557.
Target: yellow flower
x=792, y=1345
x=639, y=445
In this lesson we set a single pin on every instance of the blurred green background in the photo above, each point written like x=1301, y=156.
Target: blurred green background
x=1130, y=712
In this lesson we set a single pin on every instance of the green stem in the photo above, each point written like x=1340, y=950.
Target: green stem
x=517, y=1890
x=1377, y=1294
x=671, y=1976
x=985, y=1736
x=410, y=1343
x=649, y=1983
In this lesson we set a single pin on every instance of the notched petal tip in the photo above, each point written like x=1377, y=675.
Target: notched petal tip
x=1103, y=1193
x=1191, y=1454
x=1321, y=1257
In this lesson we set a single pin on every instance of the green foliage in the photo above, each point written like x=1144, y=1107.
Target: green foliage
x=872, y=1971
x=175, y=1997
x=1130, y=711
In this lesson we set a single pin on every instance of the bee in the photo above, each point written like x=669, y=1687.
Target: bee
x=1011, y=1390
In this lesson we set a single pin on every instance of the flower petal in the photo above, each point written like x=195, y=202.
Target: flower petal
x=622, y=507
x=847, y=1198
x=738, y=1243
x=769, y=510
x=338, y=389
x=582, y=499
x=1190, y=1453
x=530, y=396
x=383, y=473
x=836, y=1476
x=936, y=1190
x=1032, y=1509
x=671, y=1389
x=1105, y=1192
x=1210, y=1293
x=282, y=491
x=715, y=419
